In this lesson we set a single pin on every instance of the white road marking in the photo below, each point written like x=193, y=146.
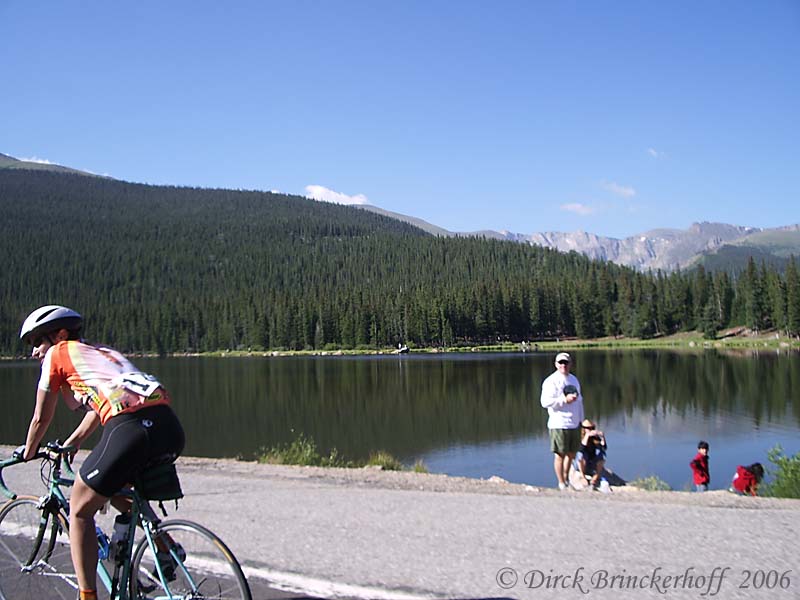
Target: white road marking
x=300, y=584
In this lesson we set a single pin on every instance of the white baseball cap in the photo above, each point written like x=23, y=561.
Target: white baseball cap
x=563, y=356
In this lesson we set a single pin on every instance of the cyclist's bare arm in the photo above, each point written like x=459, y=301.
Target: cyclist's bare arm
x=84, y=429
x=46, y=403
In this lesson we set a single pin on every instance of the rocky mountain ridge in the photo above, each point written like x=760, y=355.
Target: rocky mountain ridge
x=665, y=249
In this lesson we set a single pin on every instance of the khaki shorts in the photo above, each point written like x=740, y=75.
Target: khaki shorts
x=565, y=441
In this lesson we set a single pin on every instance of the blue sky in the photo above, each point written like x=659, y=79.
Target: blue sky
x=609, y=117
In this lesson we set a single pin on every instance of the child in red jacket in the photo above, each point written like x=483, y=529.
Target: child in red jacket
x=699, y=466
x=747, y=479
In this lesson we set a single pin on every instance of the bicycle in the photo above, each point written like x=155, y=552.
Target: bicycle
x=170, y=560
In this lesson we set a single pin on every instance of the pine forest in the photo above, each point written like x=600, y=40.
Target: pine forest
x=176, y=269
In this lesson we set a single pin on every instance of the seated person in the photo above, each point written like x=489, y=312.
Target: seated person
x=747, y=479
x=592, y=457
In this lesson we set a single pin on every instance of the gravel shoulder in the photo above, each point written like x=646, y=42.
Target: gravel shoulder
x=376, y=478
x=367, y=533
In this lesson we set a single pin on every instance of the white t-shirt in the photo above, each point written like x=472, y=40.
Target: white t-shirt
x=562, y=415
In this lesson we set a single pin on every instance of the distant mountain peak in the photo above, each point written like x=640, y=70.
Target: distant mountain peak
x=665, y=249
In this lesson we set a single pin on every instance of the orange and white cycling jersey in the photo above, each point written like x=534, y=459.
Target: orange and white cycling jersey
x=101, y=379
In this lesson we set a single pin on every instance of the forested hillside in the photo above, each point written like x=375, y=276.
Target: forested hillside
x=180, y=269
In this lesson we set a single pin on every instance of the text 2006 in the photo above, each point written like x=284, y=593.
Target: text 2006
x=768, y=580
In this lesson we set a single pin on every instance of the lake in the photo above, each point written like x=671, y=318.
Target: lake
x=476, y=415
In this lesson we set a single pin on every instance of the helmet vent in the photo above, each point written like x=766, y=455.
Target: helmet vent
x=45, y=314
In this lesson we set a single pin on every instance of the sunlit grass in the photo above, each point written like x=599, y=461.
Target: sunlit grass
x=653, y=483
x=303, y=451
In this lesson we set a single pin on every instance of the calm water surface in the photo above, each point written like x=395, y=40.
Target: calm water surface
x=476, y=415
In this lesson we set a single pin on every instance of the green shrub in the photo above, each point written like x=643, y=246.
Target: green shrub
x=384, y=460
x=420, y=467
x=651, y=484
x=786, y=475
x=301, y=451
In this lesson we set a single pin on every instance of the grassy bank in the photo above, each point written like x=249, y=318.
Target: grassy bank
x=303, y=451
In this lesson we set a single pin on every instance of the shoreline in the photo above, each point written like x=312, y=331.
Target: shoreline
x=376, y=478
x=372, y=477
x=736, y=340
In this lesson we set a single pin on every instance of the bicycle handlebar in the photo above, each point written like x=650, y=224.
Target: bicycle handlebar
x=53, y=452
x=3, y=488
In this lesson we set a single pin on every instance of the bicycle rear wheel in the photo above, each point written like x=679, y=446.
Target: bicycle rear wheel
x=35, y=561
x=195, y=563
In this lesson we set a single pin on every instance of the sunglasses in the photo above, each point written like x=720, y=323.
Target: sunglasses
x=37, y=341
x=589, y=427
x=563, y=362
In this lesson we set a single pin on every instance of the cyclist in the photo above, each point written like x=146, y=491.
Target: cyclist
x=133, y=407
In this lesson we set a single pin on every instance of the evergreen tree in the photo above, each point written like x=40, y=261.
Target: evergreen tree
x=752, y=291
x=700, y=293
x=792, y=299
x=724, y=296
x=776, y=294
x=710, y=322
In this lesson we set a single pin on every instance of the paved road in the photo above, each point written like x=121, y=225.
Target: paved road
x=361, y=534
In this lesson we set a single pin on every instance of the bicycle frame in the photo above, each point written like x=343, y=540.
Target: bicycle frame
x=143, y=515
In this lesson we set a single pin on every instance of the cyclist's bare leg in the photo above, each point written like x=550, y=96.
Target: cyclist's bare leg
x=84, y=504
x=122, y=503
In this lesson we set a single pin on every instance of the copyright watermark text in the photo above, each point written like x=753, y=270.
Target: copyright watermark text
x=707, y=583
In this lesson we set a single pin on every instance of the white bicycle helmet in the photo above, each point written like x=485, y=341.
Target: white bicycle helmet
x=49, y=318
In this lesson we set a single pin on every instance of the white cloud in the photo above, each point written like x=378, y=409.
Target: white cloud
x=318, y=192
x=625, y=191
x=578, y=208
x=655, y=153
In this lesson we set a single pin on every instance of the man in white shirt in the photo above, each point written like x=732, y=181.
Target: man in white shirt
x=561, y=396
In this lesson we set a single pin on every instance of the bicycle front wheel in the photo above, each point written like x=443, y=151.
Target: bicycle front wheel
x=35, y=562
x=191, y=562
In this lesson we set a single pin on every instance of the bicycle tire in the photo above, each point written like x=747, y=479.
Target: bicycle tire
x=207, y=568
x=35, y=560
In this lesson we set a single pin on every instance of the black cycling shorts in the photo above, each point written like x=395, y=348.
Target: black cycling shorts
x=129, y=442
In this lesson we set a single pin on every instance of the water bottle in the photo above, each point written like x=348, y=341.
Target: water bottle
x=119, y=537
x=102, y=543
